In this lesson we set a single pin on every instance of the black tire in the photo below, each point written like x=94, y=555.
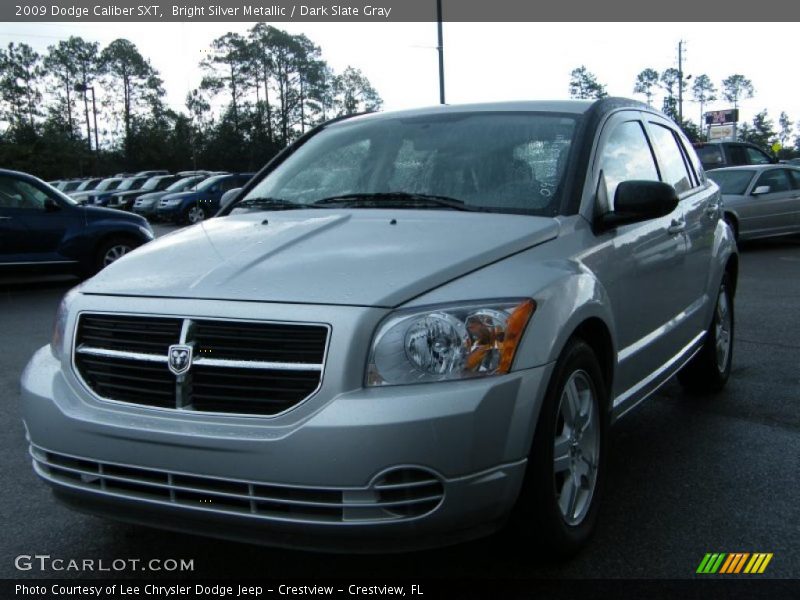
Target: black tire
x=110, y=250
x=708, y=372
x=537, y=514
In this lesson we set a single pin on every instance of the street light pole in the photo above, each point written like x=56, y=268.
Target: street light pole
x=440, y=48
x=82, y=87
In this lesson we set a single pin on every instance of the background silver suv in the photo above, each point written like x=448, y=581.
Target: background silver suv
x=410, y=327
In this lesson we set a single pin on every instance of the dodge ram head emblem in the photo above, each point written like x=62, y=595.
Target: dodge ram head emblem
x=180, y=358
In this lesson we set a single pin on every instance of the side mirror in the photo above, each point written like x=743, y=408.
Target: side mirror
x=228, y=198
x=636, y=201
x=760, y=189
x=51, y=205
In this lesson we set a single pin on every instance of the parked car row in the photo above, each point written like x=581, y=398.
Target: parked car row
x=184, y=197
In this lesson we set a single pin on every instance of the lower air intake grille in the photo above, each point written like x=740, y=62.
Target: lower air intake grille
x=397, y=495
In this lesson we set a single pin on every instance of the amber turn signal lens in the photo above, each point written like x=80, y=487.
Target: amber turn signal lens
x=515, y=328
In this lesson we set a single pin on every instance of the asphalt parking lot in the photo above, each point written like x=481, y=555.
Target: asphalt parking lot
x=687, y=475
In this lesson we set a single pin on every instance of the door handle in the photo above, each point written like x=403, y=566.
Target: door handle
x=677, y=226
x=6, y=218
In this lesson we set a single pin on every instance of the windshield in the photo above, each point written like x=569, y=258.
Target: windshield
x=209, y=183
x=152, y=183
x=86, y=185
x=732, y=182
x=502, y=162
x=185, y=183
x=132, y=183
x=710, y=155
x=108, y=184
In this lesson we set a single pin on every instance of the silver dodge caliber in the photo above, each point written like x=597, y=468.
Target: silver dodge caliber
x=408, y=329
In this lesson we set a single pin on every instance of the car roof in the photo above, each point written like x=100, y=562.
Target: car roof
x=754, y=168
x=576, y=107
x=725, y=143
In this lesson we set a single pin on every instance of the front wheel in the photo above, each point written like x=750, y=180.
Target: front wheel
x=559, y=501
x=194, y=214
x=111, y=251
x=709, y=369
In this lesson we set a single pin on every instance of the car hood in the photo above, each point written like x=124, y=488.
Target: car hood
x=731, y=197
x=179, y=195
x=333, y=256
x=129, y=193
x=99, y=213
x=149, y=196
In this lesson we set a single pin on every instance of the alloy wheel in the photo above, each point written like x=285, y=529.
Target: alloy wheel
x=576, y=448
x=196, y=214
x=114, y=253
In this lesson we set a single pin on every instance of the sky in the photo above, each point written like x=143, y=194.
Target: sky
x=483, y=61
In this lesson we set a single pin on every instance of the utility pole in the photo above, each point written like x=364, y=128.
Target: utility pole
x=440, y=48
x=680, y=83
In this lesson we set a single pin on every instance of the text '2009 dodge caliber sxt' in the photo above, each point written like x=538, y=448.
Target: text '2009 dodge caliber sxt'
x=406, y=330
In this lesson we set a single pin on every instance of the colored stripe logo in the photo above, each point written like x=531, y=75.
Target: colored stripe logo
x=734, y=563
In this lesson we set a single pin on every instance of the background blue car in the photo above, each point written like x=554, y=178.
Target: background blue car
x=202, y=202
x=43, y=229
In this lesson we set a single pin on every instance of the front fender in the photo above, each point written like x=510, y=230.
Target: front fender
x=563, y=305
x=565, y=291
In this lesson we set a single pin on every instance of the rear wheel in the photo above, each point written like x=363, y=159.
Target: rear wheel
x=709, y=369
x=559, y=502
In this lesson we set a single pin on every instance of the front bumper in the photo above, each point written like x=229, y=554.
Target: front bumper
x=147, y=210
x=169, y=211
x=219, y=475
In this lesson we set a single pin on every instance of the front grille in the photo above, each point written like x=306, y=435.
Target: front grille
x=237, y=367
x=399, y=494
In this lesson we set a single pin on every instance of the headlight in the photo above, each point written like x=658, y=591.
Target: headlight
x=446, y=343
x=60, y=326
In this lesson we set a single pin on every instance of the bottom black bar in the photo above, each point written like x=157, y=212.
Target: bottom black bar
x=244, y=589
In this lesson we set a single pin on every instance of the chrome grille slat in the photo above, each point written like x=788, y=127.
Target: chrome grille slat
x=238, y=367
x=265, y=500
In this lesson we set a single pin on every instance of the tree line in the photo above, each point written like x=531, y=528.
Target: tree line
x=701, y=90
x=82, y=110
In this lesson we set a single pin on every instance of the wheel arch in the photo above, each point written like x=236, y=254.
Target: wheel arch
x=596, y=334
x=733, y=219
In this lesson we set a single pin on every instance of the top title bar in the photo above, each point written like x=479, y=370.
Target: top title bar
x=396, y=10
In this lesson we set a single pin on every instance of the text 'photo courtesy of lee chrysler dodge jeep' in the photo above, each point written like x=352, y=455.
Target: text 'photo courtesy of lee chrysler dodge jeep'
x=407, y=330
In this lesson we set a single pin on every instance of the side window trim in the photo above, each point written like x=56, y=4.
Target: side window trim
x=607, y=131
x=651, y=121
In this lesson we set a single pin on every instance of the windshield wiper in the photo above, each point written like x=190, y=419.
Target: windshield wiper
x=395, y=199
x=272, y=204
